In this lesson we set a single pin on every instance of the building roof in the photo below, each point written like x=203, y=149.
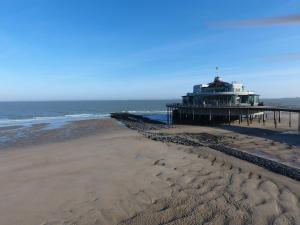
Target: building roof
x=218, y=82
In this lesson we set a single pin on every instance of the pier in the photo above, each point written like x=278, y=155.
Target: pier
x=223, y=102
x=185, y=114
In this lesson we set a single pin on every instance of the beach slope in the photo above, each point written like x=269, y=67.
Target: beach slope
x=117, y=176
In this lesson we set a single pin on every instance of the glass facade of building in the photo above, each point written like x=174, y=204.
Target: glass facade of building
x=219, y=93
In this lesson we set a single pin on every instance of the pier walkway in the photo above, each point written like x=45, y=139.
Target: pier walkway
x=179, y=113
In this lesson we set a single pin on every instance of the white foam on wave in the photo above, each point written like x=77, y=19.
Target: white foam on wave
x=59, y=121
x=50, y=119
x=147, y=112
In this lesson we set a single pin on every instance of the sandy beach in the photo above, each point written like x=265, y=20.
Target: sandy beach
x=281, y=144
x=109, y=174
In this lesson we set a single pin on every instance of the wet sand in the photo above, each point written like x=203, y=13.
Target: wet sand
x=115, y=175
x=43, y=133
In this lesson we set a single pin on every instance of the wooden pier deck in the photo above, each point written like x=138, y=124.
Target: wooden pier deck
x=185, y=114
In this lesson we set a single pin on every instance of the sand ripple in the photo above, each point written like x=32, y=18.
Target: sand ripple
x=214, y=192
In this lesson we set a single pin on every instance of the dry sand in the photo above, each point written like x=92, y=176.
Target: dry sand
x=281, y=144
x=119, y=177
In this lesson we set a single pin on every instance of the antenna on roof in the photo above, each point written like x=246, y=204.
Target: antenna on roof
x=217, y=71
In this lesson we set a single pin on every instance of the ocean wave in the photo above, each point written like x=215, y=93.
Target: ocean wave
x=50, y=119
x=62, y=119
x=147, y=112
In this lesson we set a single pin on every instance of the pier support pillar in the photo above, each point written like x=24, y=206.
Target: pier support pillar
x=169, y=115
x=180, y=115
x=229, y=117
x=275, y=121
x=168, y=122
x=248, y=118
x=298, y=122
x=279, y=117
x=264, y=119
x=290, y=119
x=193, y=114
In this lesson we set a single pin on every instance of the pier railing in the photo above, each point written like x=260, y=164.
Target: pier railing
x=259, y=108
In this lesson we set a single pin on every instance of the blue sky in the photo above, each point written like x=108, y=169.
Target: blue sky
x=135, y=49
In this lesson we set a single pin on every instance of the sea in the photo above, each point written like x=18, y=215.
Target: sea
x=58, y=113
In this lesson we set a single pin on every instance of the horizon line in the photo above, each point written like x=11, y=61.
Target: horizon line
x=91, y=100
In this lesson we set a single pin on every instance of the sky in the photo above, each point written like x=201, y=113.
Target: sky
x=137, y=49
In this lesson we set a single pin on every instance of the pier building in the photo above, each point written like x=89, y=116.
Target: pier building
x=223, y=102
x=220, y=93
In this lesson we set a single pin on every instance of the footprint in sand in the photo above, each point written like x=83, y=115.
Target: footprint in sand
x=159, y=162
